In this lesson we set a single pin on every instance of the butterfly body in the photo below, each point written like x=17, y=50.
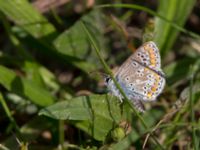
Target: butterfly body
x=140, y=76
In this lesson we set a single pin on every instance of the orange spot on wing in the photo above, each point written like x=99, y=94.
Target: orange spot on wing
x=145, y=47
x=153, y=61
x=154, y=88
x=149, y=95
x=151, y=55
x=151, y=50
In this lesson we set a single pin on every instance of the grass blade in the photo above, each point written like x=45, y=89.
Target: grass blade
x=151, y=12
x=177, y=12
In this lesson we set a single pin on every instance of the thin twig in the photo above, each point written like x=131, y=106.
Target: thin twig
x=9, y=115
x=165, y=117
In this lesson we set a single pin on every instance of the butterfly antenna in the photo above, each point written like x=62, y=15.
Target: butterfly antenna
x=125, y=33
x=92, y=73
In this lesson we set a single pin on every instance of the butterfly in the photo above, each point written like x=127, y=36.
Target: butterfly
x=140, y=76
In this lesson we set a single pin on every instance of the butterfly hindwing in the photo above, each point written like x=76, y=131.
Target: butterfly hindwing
x=140, y=82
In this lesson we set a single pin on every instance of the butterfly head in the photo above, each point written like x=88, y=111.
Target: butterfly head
x=107, y=80
x=112, y=88
x=109, y=83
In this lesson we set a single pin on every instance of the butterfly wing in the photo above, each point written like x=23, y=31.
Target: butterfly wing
x=148, y=55
x=140, y=76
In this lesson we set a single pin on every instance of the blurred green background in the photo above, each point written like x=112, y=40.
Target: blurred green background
x=53, y=95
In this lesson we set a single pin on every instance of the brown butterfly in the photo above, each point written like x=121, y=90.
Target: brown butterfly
x=140, y=76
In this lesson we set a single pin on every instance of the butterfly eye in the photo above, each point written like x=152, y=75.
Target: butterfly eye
x=107, y=79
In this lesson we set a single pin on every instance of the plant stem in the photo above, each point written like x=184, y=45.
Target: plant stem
x=9, y=115
x=194, y=138
x=61, y=133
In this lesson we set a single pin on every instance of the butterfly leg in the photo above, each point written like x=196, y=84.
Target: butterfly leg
x=138, y=105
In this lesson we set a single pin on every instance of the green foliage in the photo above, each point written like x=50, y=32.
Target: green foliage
x=24, y=87
x=98, y=113
x=175, y=11
x=74, y=42
x=52, y=66
x=25, y=16
x=176, y=72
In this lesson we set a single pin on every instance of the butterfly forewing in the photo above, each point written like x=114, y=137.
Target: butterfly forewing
x=140, y=76
x=148, y=55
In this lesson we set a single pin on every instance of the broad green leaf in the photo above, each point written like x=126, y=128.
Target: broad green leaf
x=74, y=42
x=71, y=42
x=49, y=78
x=24, y=87
x=98, y=128
x=40, y=75
x=23, y=14
x=173, y=10
x=95, y=114
x=68, y=111
x=84, y=108
x=31, y=68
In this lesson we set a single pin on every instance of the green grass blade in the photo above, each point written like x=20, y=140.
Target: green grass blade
x=151, y=12
x=9, y=114
x=194, y=137
x=177, y=12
